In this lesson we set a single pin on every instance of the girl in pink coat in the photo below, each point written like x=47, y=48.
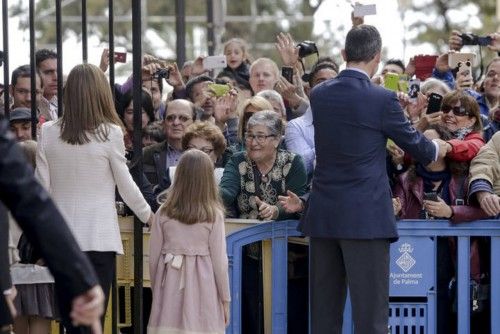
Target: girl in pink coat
x=188, y=261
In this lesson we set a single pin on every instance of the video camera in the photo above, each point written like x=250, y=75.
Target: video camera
x=472, y=39
x=307, y=48
x=162, y=73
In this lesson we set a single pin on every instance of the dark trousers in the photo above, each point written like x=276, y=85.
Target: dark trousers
x=361, y=265
x=104, y=264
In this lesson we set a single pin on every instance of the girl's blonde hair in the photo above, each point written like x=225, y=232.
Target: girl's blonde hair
x=88, y=106
x=193, y=197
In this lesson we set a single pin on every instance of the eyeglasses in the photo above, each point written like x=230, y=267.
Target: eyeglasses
x=260, y=138
x=205, y=149
x=182, y=118
x=457, y=111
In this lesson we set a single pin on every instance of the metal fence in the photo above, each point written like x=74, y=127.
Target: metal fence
x=137, y=65
x=417, y=240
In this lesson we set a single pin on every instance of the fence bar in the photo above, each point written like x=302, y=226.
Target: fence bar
x=84, y=32
x=137, y=160
x=59, y=59
x=463, y=279
x=111, y=46
x=210, y=28
x=34, y=119
x=495, y=285
x=180, y=29
x=5, y=19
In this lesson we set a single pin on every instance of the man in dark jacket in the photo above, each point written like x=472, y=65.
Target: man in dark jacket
x=76, y=283
x=350, y=218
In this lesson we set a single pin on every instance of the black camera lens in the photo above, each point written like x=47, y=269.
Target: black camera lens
x=469, y=39
x=162, y=73
x=307, y=48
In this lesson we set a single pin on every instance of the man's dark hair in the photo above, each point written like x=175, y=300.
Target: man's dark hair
x=321, y=64
x=44, y=54
x=396, y=62
x=23, y=71
x=194, y=81
x=362, y=44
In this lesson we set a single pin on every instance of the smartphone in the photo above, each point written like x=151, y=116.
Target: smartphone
x=460, y=57
x=403, y=83
x=434, y=104
x=391, y=81
x=431, y=196
x=424, y=64
x=363, y=10
x=121, y=57
x=219, y=89
x=211, y=62
x=465, y=69
x=414, y=89
x=287, y=73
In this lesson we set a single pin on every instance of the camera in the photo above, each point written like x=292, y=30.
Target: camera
x=162, y=73
x=471, y=39
x=307, y=48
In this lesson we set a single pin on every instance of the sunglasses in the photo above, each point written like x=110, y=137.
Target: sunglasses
x=457, y=111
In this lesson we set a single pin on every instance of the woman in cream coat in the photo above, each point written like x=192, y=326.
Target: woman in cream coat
x=80, y=161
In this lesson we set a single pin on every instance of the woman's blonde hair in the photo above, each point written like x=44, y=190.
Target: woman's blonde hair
x=193, y=197
x=259, y=103
x=88, y=106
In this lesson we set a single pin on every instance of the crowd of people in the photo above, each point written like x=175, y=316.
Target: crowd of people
x=257, y=132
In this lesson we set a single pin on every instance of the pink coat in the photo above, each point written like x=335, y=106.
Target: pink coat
x=189, y=276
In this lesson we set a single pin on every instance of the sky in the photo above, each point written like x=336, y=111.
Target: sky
x=329, y=17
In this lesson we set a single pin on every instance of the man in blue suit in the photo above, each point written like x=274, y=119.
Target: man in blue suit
x=349, y=218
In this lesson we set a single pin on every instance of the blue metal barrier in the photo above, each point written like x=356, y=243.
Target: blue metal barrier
x=413, y=272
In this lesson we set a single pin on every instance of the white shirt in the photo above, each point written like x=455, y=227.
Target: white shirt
x=82, y=178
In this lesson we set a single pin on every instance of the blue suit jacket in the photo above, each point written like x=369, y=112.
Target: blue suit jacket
x=350, y=196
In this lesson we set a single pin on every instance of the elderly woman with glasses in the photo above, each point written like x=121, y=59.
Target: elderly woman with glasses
x=206, y=137
x=253, y=180
x=251, y=183
x=461, y=116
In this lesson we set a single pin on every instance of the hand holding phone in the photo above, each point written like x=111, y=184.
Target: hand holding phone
x=431, y=196
x=434, y=104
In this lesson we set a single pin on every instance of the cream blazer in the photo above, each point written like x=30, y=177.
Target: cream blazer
x=82, y=178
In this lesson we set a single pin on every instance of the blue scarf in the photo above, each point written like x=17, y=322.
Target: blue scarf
x=430, y=177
